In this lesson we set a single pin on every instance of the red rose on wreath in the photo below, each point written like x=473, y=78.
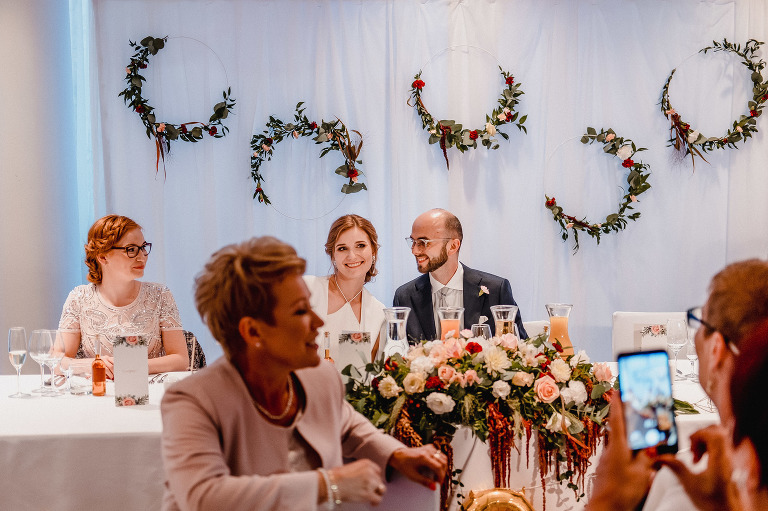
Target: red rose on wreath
x=627, y=164
x=375, y=383
x=510, y=80
x=313, y=126
x=753, y=113
x=183, y=129
x=473, y=134
x=212, y=131
x=550, y=202
x=268, y=141
x=418, y=84
x=128, y=401
x=473, y=347
x=140, y=109
x=352, y=172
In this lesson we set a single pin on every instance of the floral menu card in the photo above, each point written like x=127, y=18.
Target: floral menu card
x=131, y=370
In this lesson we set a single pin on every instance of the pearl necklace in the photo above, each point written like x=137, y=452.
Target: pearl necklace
x=336, y=281
x=287, y=409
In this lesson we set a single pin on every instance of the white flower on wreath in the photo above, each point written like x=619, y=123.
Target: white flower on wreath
x=422, y=365
x=496, y=360
x=624, y=151
x=579, y=358
x=490, y=128
x=692, y=136
x=388, y=387
x=415, y=353
x=503, y=115
x=556, y=422
x=575, y=392
x=439, y=403
x=529, y=354
x=560, y=370
x=413, y=383
x=500, y=389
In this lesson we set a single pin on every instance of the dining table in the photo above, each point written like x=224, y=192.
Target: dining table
x=71, y=452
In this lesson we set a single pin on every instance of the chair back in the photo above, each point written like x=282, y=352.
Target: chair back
x=195, y=351
x=641, y=331
x=534, y=328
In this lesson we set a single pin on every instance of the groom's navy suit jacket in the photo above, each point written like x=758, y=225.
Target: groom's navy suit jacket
x=417, y=294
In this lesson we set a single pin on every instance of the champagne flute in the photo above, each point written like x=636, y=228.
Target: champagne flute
x=39, y=347
x=17, y=352
x=677, y=337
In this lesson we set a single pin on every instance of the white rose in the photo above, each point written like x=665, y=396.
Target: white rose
x=575, y=393
x=501, y=389
x=496, y=360
x=413, y=383
x=440, y=403
x=421, y=365
x=579, y=358
x=560, y=370
x=388, y=387
x=692, y=136
x=528, y=354
x=522, y=379
x=624, y=151
x=556, y=423
x=431, y=344
x=490, y=129
x=415, y=353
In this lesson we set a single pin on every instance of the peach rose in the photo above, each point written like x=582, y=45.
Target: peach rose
x=128, y=401
x=446, y=373
x=522, y=379
x=546, y=389
x=509, y=341
x=132, y=340
x=453, y=348
x=413, y=383
x=609, y=137
x=471, y=377
x=602, y=372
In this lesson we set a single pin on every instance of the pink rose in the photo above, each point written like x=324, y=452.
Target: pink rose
x=295, y=134
x=128, y=401
x=609, y=137
x=602, y=372
x=458, y=377
x=132, y=339
x=453, y=348
x=633, y=198
x=446, y=373
x=471, y=377
x=569, y=225
x=509, y=341
x=266, y=148
x=356, y=337
x=546, y=389
x=655, y=329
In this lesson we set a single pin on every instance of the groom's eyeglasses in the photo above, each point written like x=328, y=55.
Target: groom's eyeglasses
x=422, y=243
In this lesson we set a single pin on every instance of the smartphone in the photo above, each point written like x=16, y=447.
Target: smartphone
x=646, y=391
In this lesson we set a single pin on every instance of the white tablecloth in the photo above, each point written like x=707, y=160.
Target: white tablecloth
x=83, y=452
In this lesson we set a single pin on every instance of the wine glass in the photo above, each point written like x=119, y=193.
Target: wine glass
x=17, y=352
x=677, y=337
x=481, y=330
x=692, y=356
x=40, y=344
x=67, y=366
x=80, y=370
x=54, y=358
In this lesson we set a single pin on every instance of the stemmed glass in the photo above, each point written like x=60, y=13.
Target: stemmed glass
x=54, y=358
x=17, y=351
x=40, y=344
x=692, y=356
x=481, y=330
x=677, y=337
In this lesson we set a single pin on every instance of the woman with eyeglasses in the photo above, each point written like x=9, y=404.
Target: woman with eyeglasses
x=353, y=316
x=736, y=306
x=116, y=303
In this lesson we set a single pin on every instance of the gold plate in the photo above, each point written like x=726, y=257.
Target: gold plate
x=497, y=499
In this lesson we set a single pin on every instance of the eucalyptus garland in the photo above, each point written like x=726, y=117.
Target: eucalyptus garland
x=685, y=137
x=449, y=133
x=334, y=133
x=165, y=132
x=625, y=150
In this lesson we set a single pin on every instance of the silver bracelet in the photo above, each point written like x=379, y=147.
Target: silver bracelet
x=329, y=504
x=334, y=490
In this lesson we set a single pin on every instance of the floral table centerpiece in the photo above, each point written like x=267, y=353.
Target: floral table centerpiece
x=503, y=389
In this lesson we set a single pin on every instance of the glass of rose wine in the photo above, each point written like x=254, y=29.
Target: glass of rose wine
x=17, y=352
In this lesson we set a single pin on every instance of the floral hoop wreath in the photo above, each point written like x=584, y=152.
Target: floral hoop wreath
x=165, y=132
x=624, y=149
x=684, y=137
x=333, y=132
x=450, y=134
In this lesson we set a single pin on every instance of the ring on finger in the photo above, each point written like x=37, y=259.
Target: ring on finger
x=380, y=489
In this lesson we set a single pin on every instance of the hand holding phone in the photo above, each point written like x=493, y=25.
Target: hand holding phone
x=646, y=391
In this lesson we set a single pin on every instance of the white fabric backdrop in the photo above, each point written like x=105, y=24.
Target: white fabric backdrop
x=597, y=63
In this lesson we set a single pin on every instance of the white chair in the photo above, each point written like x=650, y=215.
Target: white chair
x=640, y=331
x=534, y=328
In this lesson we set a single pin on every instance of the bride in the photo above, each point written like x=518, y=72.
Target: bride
x=353, y=316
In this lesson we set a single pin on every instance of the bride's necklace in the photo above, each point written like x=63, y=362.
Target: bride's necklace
x=335, y=281
x=285, y=411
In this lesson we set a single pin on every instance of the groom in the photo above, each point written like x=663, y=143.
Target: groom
x=436, y=238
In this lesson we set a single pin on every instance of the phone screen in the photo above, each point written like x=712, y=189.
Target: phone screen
x=646, y=391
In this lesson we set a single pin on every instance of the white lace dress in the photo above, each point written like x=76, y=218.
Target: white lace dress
x=153, y=311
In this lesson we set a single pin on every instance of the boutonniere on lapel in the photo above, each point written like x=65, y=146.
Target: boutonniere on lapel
x=483, y=291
